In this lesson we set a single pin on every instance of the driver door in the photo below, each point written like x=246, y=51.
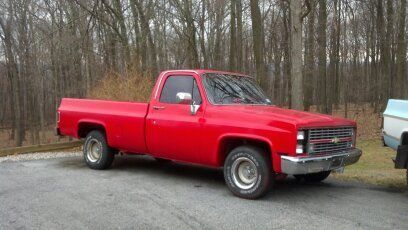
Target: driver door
x=172, y=131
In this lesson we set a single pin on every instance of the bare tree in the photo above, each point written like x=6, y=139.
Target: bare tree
x=401, y=56
x=258, y=42
x=322, y=57
x=309, y=59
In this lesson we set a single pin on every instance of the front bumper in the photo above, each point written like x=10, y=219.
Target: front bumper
x=313, y=164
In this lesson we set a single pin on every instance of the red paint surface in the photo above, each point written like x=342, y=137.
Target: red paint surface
x=175, y=134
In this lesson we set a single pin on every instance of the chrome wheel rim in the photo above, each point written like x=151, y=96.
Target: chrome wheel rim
x=244, y=173
x=93, y=150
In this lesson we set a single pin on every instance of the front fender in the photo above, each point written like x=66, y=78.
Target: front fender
x=241, y=136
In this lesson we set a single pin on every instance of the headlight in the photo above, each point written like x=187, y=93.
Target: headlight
x=299, y=149
x=301, y=135
x=354, y=137
x=301, y=142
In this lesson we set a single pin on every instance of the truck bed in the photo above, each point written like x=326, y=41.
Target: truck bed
x=124, y=122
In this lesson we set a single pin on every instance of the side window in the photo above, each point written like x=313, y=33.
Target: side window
x=179, y=84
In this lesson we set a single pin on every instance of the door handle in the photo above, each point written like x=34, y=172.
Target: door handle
x=158, y=107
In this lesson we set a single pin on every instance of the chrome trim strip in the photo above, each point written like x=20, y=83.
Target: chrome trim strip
x=159, y=84
x=164, y=73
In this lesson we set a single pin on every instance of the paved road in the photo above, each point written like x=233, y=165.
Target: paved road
x=141, y=193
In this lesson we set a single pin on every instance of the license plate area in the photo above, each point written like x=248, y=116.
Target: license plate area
x=336, y=162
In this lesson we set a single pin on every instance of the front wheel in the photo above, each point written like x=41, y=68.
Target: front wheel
x=247, y=172
x=97, y=153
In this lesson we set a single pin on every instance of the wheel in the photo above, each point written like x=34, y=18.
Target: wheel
x=97, y=153
x=313, y=177
x=162, y=160
x=247, y=172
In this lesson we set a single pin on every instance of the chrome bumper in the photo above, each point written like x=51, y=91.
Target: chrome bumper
x=312, y=164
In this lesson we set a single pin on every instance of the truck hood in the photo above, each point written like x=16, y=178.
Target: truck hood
x=300, y=119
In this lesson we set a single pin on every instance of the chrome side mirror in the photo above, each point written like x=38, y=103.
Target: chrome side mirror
x=183, y=98
x=194, y=108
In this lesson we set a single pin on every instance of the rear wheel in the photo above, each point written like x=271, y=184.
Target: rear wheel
x=313, y=177
x=247, y=172
x=97, y=153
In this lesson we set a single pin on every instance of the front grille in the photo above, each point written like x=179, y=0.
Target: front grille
x=330, y=140
x=316, y=134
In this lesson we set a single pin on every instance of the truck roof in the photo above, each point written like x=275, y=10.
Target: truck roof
x=202, y=71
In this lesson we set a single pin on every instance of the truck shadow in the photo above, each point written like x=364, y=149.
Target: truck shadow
x=200, y=176
x=204, y=176
x=146, y=164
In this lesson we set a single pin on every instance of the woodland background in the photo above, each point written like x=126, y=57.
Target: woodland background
x=340, y=57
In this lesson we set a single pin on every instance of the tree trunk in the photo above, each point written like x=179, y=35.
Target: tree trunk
x=148, y=36
x=389, y=48
x=239, y=35
x=309, y=59
x=322, y=57
x=258, y=44
x=296, y=55
x=286, y=56
x=202, y=35
x=233, y=38
x=384, y=57
x=401, y=56
x=333, y=79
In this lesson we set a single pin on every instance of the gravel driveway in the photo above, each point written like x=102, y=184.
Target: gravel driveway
x=140, y=193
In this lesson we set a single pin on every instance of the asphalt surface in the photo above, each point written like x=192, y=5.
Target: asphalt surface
x=140, y=193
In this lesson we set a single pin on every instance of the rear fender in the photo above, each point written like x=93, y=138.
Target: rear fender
x=89, y=125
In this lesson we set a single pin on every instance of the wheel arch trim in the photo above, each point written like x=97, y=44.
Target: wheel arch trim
x=221, y=152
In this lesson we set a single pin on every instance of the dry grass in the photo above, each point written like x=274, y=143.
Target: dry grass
x=129, y=86
x=375, y=166
x=368, y=121
x=47, y=136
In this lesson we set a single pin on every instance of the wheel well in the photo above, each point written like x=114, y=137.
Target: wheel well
x=404, y=138
x=228, y=144
x=84, y=128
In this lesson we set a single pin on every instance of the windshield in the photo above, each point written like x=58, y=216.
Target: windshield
x=233, y=89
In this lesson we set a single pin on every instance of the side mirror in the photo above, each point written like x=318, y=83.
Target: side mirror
x=184, y=98
x=194, y=108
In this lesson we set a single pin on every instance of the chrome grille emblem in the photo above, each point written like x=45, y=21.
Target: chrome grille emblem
x=335, y=140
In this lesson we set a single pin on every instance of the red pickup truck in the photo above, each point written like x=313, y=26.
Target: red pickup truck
x=217, y=119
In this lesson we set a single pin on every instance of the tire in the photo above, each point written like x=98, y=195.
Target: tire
x=97, y=154
x=248, y=172
x=313, y=177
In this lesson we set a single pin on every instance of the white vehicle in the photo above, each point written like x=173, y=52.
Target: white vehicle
x=395, y=131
